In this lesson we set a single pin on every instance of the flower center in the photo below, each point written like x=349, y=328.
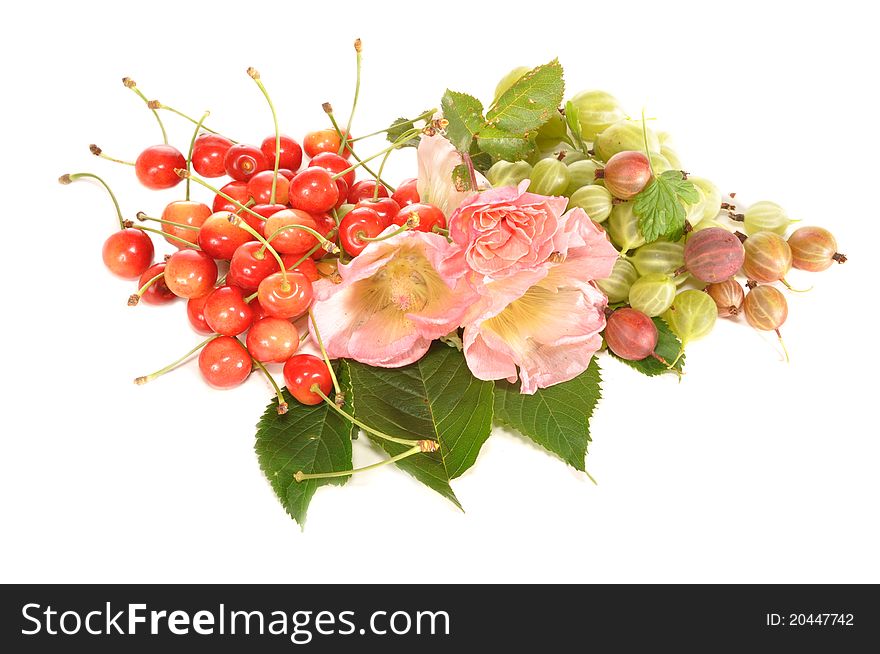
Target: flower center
x=404, y=282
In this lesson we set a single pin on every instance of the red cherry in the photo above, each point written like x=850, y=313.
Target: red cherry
x=387, y=208
x=157, y=292
x=285, y=298
x=226, y=312
x=307, y=267
x=429, y=216
x=259, y=311
x=313, y=190
x=266, y=211
x=128, y=253
x=292, y=240
x=301, y=372
x=358, y=223
x=244, y=161
x=260, y=187
x=364, y=190
x=291, y=152
x=185, y=212
x=288, y=174
x=155, y=166
x=195, y=313
x=190, y=273
x=209, y=153
x=406, y=193
x=272, y=340
x=326, y=228
x=333, y=163
x=323, y=140
x=236, y=190
x=224, y=363
x=342, y=188
x=219, y=238
x=248, y=266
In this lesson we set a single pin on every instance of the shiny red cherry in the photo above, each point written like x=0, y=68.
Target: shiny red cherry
x=209, y=153
x=364, y=190
x=250, y=265
x=406, y=193
x=313, y=190
x=157, y=292
x=291, y=240
x=155, y=166
x=301, y=372
x=260, y=187
x=291, y=152
x=195, y=313
x=323, y=140
x=264, y=210
x=358, y=223
x=333, y=163
x=184, y=212
x=190, y=273
x=243, y=161
x=224, y=363
x=219, y=238
x=272, y=340
x=307, y=267
x=387, y=208
x=226, y=312
x=128, y=253
x=237, y=191
x=326, y=228
x=285, y=297
x=429, y=216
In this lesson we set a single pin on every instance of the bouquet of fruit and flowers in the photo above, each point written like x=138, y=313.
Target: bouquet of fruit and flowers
x=535, y=234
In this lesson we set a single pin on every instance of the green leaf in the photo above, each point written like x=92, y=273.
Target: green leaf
x=398, y=128
x=530, y=102
x=461, y=178
x=660, y=205
x=435, y=398
x=465, y=115
x=668, y=348
x=503, y=145
x=557, y=418
x=307, y=438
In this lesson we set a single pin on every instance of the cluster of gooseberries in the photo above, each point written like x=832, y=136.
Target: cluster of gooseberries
x=690, y=282
x=245, y=265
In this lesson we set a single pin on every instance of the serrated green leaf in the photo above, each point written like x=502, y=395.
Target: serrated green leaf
x=482, y=161
x=557, y=418
x=530, y=101
x=398, y=128
x=307, y=438
x=435, y=398
x=461, y=178
x=465, y=116
x=668, y=348
x=500, y=144
x=660, y=206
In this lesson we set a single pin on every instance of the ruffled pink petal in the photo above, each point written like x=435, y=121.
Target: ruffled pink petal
x=485, y=360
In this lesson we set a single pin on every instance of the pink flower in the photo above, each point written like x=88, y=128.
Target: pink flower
x=437, y=158
x=507, y=230
x=544, y=319
x=394, y=299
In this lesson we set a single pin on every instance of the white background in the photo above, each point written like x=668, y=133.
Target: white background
x=748, y=470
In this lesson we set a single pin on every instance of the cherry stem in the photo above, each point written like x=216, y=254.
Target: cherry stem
x=439, y=230
x=357, y=91
x=324, y=354
x=305, y=256
x=159, y=105
x=134, y=299
x=401, y=441
x=329, y=111
x=192, y=145
x=405, y=137
x=98, y=152
x=142, y=217
x=381, y=170
x=403, y=228
x=129, y=83
x=171, y=366
x=183, y=241
x=425, y=116
x=282, y=404
x=255, y=75
x=67, y=179
x=322, y=242
x=301, y=476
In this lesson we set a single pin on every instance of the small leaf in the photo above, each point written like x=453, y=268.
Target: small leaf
x=572, y=113
x=398, y=128
x=435, y=398
x=660, y=205
x=307, y=438
x=461, y=178
x=530, y=101
x=668, y=348
x=557, y=418
x=465, y=116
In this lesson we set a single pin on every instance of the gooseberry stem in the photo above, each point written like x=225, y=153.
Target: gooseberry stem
x=282, y=404
x=255, y=75
x=67, y=179
x=171, y=366
x=140, y=215
x=324, y=354
x=793, y=289
x=135, y=298
x=300, y=476
x=647, y=149
x=130, y=84
x=192, y=145
x=357, y=91
x=782, y=343
x=183, y=241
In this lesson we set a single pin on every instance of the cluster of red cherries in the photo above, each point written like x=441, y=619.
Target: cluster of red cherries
x=275, y=226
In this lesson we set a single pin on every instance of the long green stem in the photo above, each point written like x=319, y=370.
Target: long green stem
x=171, y=366
x=405, y=137
x=159, y=105
x=300, y=476
x=423, y=116
x=67, y=179
x=192, y=145
x=381, y=170
x=302, y=228
x=130, y=84
x=143, y=217
x=403, y=228
x=354, y=154
x=98, y=152
x=255, y=75
x=324, y=354
x=282, y=404
x=182, y=241
x=136, y=297
x=357, y=91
